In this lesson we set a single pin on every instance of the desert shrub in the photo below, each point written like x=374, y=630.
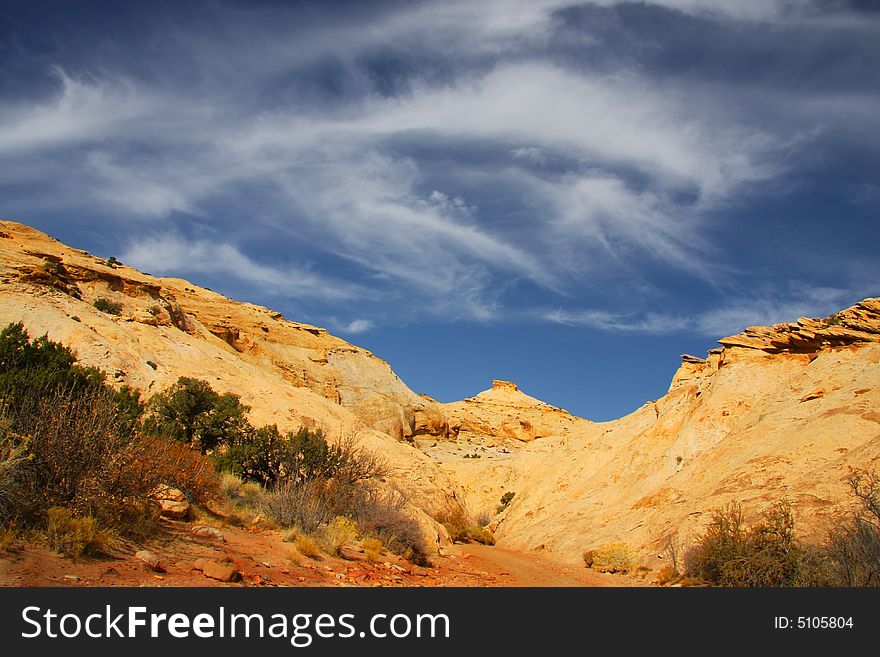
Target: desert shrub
x=589, y=556
x=767, y=554
x=373, y=548
x=382, y=515
x=32, y=368
x=317, y=481
x=66, y=438
x=612, y=558
x=338, y=532
x=505, y=501
x=460, y=528
x=307, y=546
x=723, y=542
x=300, y=504
x=69, y=440
x=483, y=518
x=178, y=466
x=853, y=546
x=76, y=536
x=191, y=411
x=78, y=456
x=107, y=306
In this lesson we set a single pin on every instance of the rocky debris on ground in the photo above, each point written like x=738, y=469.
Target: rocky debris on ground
x=222, y=571
x=151, y=560
x=212, y=533
x=351, y=553
x=172, y=503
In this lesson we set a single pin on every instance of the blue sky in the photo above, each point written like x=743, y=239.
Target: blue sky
x=566, y=194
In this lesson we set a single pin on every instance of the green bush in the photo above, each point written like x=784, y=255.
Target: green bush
x=505, y=501
x=107, y=306
x=32, y=368
x=192, y=412
x=69, y=441
x=267, y=457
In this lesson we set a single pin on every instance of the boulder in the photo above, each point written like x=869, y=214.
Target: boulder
x=172, y=502
x=150, y=559
x=221, y=571
x=211, y=533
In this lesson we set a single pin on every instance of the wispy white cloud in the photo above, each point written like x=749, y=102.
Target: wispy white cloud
x=355, y=326
x=732, y=316
x=610, y=321
x=530, y=154
x=606, y=169
x=82, y=110
x=171, y=254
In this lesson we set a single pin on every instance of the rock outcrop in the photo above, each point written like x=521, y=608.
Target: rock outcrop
x=857, y=325
x=506, y=413
x=778, y=412
x=153, y=330
x=781, y=411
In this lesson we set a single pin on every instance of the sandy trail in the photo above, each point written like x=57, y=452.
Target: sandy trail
x=505, y=567
x=264, y=559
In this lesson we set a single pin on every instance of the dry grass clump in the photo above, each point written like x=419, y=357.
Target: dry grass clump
x=7, y=538
x=292, y=555
x=612, y=558
x=242, y=502
x=338, y=532
x=460, y=528
x=307, y=546
x=373, y=548
x=668, y=575
x=307, y=505
x=77, y=536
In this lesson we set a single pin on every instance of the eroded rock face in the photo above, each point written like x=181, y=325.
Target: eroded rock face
x=779, y=412
x=507, y=413
x=857, y=325
x=290, y=374
x=175, y=321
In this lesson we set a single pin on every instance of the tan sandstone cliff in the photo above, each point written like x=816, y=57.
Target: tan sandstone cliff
x=290, y=374
x=776, y=411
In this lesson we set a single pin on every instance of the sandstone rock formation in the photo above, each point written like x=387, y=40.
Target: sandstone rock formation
x=781, y=411
x=506, y=412
x=290, y=374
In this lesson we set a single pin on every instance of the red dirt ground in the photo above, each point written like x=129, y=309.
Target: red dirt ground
x=264, y=559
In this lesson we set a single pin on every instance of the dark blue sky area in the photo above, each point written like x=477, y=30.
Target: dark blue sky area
x=566, y=194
